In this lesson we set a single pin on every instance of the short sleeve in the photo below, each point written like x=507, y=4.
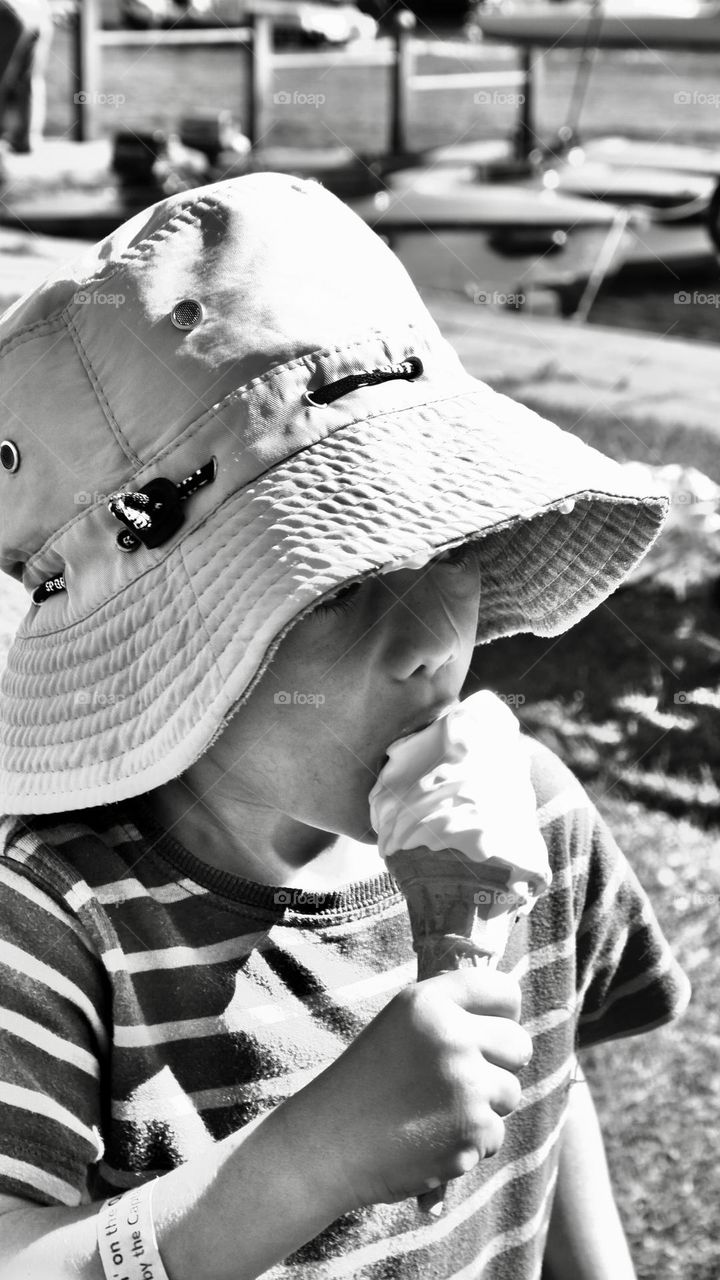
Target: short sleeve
x=628, y=980
x=52, y=1042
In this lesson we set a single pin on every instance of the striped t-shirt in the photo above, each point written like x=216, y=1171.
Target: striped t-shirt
x=151, y=1005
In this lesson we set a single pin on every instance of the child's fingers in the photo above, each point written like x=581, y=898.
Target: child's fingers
x=504, y=1043
x=481, y=990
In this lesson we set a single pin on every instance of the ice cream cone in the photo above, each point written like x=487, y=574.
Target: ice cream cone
x=460, y=913
x=454, y=809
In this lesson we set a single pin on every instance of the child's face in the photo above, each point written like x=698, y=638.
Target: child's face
x=343, y=684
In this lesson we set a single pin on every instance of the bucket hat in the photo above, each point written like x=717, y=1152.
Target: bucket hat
x=228, y=409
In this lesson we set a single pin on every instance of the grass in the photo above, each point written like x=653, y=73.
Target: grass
x=658, y=1095
x=604, y=697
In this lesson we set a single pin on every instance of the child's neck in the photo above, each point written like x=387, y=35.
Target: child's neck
x=327, y=862
x=344, y=862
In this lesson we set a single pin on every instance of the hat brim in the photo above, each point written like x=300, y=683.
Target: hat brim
x=128, y=698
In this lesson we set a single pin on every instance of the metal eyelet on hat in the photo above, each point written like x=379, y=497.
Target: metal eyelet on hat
x=321, y=397
x=9, y=456
x=316, y=404
x=186, y=314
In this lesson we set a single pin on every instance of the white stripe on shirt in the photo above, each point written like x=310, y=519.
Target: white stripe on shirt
x=511, y=1239
x=117, y=891
x=569, y=800
x=29, y=890
x=37, y=971
x=46, y=1183
x=14, y=1095
x=49, y=1042
x=629, y=988
x=273, y=1012
x=434, y=1231
x=116, y=960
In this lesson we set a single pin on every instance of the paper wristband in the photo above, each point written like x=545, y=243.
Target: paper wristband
x=126, y=1237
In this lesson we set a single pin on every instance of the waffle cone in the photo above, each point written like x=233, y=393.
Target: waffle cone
x=460, y=911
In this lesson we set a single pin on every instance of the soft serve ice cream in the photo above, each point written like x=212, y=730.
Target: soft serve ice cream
x=461, y=788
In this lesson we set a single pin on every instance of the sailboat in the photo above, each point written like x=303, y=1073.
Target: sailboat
x=676, y=184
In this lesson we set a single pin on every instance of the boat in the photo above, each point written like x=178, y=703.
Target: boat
x=450, y=202
x=677, y=183
x=616, y=24
x=578, y=174
x=500, y=244
x=640, y=153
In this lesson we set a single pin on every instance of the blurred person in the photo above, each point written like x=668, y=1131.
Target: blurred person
x=25, y=35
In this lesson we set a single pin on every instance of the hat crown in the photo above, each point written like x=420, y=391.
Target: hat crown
x=103, y=378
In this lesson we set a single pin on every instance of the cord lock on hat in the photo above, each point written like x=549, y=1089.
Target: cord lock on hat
x=151, y=515
x=409, y=369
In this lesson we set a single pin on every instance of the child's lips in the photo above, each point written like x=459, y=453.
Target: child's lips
x=426, y=718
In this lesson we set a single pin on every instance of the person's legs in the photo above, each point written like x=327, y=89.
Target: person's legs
x=11, y=31
x=25, y=44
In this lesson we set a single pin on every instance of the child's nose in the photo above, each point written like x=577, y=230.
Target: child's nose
x=427, y=628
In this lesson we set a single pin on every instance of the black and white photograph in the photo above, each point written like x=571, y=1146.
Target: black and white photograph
x=359, y=639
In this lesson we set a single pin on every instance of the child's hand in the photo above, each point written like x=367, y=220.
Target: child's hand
x=419, y=1096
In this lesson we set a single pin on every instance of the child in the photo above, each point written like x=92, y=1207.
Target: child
x=264, y=516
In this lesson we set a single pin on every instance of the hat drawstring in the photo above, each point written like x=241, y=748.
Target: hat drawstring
x=323, y=396
x=151, y=515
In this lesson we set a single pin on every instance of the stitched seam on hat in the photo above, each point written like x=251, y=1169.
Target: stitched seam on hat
x=562, y=573
x=240, y=393
x=189, y=528
x=101, y=397
x=191, y=588
x=291, y=622
x=109, y=759
x=496, y=529
x=202, y=421
x=613, y=499
x=36, y=330
x=39, y=327
x=184, y=216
